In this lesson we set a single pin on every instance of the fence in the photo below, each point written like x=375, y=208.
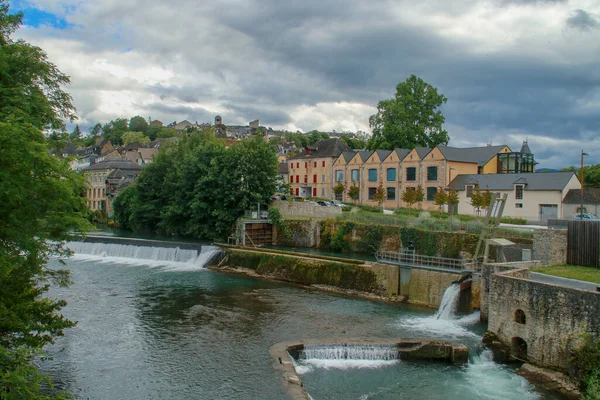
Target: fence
x=583, y=243
x=410, y=259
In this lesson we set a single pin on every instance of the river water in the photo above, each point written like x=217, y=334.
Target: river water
x=156, y=329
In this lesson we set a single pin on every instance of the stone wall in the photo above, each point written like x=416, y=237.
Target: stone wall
x=303, y=233
x=487, y=273
x=553, y=316
x=550, y=246
x=305, y=209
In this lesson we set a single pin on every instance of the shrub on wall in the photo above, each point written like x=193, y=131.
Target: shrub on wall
x=585, y=366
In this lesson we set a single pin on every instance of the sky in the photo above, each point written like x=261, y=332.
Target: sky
x=512, y=70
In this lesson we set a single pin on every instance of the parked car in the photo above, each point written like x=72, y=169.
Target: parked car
x=338, y=203
x=586, y=217
x=324, y=203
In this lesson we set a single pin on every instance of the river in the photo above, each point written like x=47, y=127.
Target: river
x=159, y=329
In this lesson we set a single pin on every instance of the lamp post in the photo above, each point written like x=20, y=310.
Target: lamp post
x=582, y=183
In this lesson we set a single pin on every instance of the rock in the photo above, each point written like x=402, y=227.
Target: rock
x=552, y=380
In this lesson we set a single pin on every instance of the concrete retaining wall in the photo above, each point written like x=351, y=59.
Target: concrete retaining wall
x=554, y=315
x=305, y=209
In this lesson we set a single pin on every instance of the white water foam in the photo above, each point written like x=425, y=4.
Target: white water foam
x=444, y=322
x=166, y=258
x=489, y=380
x=346, y=356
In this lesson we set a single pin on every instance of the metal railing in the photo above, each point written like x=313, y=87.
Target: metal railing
x=410, y=259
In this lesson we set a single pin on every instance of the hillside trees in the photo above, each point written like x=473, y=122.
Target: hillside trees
x=40, y=207
x=138, y=124
x=412, y=118
x=198, y=188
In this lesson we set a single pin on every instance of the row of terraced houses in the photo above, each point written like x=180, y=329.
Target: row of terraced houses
x=323, y=165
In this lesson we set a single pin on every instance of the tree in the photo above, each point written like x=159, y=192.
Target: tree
x=96, y=130
x=477, y=199
x=354, y=192
x=380, y=195
x=412, y=118
x=40, y=207
x=591, y=175
x=76, y=134
x=114, y=130
x=138, y=124
x=132, y=137
x=486, y=198
x=440, y=198
x=452, y=200
x=339, y=190
x=419, y=195
x=409, y=196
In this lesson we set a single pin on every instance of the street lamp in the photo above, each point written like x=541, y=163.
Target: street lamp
x=582, y=183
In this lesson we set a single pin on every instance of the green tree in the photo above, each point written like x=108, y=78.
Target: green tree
x=76, y=134
x=477, y=199
x=339, y=190
x=440, y=198
x=419, y=195
x=452, y=199
x=40, y=207
x=591, y=175
x=354, y=192
x=380, y=195
x=132, y=137
x=412, y=118
x=409, y=196
x=138, y=124
x=114, y=130
x=96, y=130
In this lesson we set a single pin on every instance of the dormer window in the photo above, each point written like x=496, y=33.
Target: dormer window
x=519, y=192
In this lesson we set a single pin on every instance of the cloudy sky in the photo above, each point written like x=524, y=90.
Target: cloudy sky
x=511, y=69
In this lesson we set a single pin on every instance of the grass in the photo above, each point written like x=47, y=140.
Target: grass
x=588, y=274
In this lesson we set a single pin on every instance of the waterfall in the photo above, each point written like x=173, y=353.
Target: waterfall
x=449, y=302
x=152, y=255
x=369, y=352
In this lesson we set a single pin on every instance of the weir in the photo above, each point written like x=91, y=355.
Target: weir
x=349, y=351
x=447, y=309
x=136, y=249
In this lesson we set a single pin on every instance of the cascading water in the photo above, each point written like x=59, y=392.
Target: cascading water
x=345, y=356
x=170, y=257
x=449, y=302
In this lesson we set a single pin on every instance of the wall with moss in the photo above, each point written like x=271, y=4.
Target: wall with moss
x=378, y=280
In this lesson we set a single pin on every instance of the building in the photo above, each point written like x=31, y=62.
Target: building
x=572, y=202
x=119, y=170
x=311, y=175
x=534, y=197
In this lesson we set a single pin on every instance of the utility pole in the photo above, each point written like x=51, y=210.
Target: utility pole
x=582, y=184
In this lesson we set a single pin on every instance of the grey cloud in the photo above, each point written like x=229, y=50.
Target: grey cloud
x=583, y=21
x=266, y=116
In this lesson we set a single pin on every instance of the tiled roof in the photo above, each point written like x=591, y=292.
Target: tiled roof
x=533, y=181
x=328, y=148
x=401, y=153
x=590, y=196
x=422, y=151
x=348, y=155
x=525, y=148
x=382, y=154
x=114, y=163
x=283, y=168
x=479, y=155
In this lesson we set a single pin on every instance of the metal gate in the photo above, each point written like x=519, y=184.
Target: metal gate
x=583, y=243
x=548, y=211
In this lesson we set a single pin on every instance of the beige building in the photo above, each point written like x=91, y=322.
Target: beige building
x=532, y=196
x=97, y=192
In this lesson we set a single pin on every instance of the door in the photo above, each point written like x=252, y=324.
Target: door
x=548, y=211
x=315, y=192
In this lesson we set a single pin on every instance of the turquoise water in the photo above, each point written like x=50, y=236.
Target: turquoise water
x=163, y=330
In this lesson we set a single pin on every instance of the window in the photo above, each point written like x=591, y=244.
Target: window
x=432, y=173
x=520, y=317
x=322, y=192
x=315, y=164
x=339, y=175
x=314, y=179
x=297, y=165
x=323, y=164
x=354, y=175
x=322, y=178
x=581, y=210
x=431, y=191
x=391, y=174
x=373, y=175
x=372, y=191
x=297, y=191
x=469, y=189
x=305, y=178
x=391, y=193
x=519, y=205
x=411, y=174
x=291, y=178
x=297, y=178
x=519, y=192
x=314, y=192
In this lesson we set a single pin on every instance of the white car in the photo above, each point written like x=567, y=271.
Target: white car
x=338, y=203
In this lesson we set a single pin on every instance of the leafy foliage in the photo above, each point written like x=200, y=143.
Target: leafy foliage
x=380, y=195
x=138, y=124
x=40, y=207
x=409, y=196
x=440, y=198
x=132, y=137
x=591, y=175
x=339, y=189
x=419, y=194
x=354, y=192
x=198, y=188
x=585, y=365
x=412, y=118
